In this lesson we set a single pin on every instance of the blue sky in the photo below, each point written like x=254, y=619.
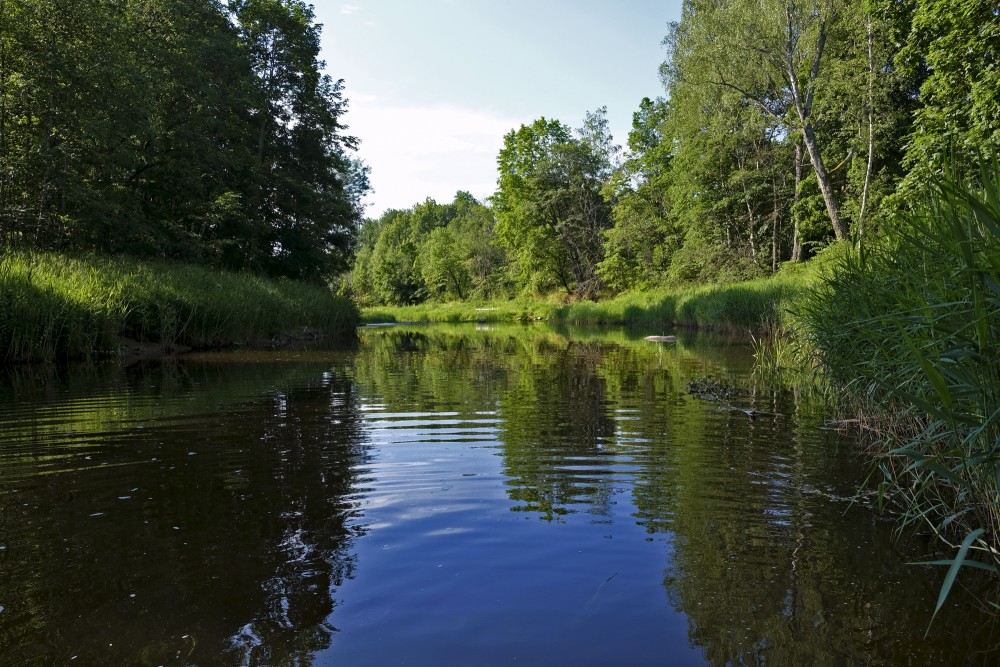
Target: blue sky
x=435, y=84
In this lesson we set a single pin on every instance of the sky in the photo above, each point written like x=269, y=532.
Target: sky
x=434, y=85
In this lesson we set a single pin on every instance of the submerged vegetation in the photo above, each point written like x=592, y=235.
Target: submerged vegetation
x=56, y=308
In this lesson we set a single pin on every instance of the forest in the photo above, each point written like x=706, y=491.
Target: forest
x=201, y=131
x=784, y=127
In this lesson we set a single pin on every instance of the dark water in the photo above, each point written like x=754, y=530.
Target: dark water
x=450, y=497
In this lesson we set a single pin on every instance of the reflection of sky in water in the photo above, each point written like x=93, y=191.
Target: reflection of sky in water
x=446, y=500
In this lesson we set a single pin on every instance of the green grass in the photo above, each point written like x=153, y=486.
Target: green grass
x=55, y=308
x=755, y=305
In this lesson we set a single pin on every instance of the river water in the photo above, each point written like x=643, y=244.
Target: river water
x=452, y=496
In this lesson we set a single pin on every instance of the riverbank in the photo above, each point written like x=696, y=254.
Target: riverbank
x=59, y=308
x=909, y=330
x=753, y=306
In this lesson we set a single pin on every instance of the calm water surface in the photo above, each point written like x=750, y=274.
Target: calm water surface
x=450, y=496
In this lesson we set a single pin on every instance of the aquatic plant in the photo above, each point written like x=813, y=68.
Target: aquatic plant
x=910, y=326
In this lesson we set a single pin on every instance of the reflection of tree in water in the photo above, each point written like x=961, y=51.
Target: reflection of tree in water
x=544, y=386
x=420, y=371
x=766, y=558
x=314, y=483
x=210, y=533
x=762, y=564
x=556, y=426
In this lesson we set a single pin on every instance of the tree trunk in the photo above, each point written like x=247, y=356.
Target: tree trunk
x=871, y=132
x=803, y=101
x=825, y=184
x=775, y=222
x=796, y=239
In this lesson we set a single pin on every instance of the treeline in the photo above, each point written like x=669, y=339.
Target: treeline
x=786, y=124
x=200, y=130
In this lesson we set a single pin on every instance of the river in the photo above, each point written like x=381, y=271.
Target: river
x=463, y=495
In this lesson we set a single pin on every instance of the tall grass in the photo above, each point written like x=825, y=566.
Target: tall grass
x=54, y=307
x=757, y=305
x=911, y=327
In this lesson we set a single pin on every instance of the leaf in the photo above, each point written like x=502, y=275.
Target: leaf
x=976, y=565
x=955, y=565
x=921, y=461
x=930, y=371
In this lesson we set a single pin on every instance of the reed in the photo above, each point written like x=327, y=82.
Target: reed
x=54, y=307
x=911, y=327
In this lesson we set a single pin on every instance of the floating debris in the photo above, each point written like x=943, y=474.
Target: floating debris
x=710, y=389
x=717, y=391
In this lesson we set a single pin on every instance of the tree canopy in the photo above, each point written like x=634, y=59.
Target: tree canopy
x=784, y=125
x=191, y=129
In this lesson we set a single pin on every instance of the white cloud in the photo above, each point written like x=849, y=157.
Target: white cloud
x=434, y=151
x=348, y=9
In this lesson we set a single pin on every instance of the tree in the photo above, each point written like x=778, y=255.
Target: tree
x=176, y=128
x=771, y=53
x=548, y=204
x=305, y=196
x=639, y=246
x=442, y=264
x=951, y=50
x=430, y=251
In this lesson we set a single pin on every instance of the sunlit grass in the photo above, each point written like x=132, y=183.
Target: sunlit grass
x=752, y=306
x=54, y=307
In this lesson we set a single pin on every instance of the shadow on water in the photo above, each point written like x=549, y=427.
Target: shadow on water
x=179, y=513
x=450, y=496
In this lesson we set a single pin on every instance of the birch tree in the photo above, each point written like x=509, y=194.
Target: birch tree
x=772, y=54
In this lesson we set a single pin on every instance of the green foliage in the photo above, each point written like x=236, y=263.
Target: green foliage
x=912, y=324
x=549, y=209
x=431, y=251
x=953, y=50
x=442, y=265
x=756, y=305
x=202, y=131
x=639, y=247
x=58, y=308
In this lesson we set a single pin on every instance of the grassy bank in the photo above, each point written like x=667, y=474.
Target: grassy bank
x=55, y=308
x=910, y=329
x=755, y=305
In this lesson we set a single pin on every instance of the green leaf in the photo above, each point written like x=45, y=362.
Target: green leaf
x=955, y=565
x=974, y=564
x=932, y=374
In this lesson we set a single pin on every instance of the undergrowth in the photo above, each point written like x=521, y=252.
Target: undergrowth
x=757, y=306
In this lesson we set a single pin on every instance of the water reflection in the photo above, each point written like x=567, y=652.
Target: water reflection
x=449, y=496
x=771, y=555
x=145, y=521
